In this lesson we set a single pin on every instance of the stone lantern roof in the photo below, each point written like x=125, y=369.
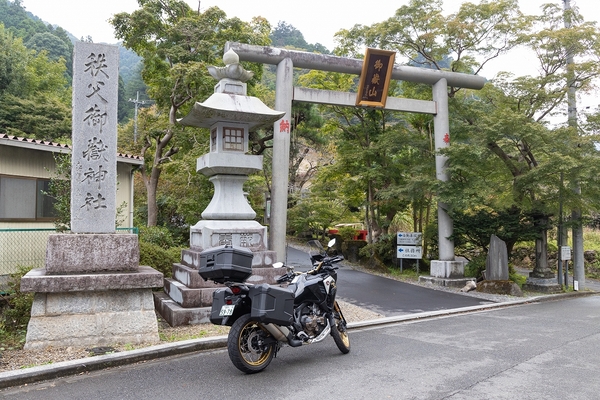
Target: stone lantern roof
x=229, y=102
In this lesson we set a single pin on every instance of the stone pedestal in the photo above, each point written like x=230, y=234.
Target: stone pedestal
x=250, y=234
x=544, y=285
x=500, y=287
x=446, y=273
x=187, y=298
x=92, y=292
x=447, y=269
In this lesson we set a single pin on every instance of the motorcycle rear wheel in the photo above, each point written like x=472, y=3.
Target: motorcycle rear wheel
x=339, y=330
x=246, y=348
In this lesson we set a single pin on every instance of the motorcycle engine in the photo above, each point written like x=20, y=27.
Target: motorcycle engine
x=312, y=321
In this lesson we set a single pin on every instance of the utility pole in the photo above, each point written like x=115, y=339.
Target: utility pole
x=137, y=102
x=578, y=267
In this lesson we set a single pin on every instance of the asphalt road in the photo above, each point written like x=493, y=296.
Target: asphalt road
x=547, y=350
x=386, y=296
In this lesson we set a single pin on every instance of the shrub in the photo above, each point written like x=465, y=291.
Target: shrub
x=476, y=266
x=159, y=258
x=347, y=232
x=157, y=235
x=16, y=310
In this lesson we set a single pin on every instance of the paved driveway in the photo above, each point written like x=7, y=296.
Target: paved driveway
x=386, y=296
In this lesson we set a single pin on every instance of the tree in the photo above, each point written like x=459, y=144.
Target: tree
x=534, y=156
x=34, y=92
x=177, y=45
x=284, y=35
x=499, y=130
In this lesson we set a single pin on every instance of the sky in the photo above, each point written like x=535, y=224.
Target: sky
x=318, y=20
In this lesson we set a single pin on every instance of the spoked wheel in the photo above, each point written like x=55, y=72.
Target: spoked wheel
x=339, y=331
x=246, y=346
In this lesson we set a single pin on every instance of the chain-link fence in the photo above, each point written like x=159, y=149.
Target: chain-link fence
x=27, y=247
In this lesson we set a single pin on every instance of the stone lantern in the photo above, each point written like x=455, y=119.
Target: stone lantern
x=230, y=115
x=228, y=219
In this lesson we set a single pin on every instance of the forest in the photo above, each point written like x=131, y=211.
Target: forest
x=522, y=163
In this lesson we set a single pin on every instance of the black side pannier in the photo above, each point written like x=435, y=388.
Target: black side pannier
x=271, y=304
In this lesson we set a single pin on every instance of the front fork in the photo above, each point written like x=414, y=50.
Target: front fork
x=341, y=326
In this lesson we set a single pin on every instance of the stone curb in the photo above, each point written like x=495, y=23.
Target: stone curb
x=66, y=368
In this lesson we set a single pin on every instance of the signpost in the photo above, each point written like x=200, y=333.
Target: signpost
x=409, y=238
x=565, y=256
x=409, y=246
x=413, y=252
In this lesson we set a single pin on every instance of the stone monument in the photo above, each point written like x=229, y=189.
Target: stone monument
x=228, y=219
x=92, y=290
x=496, y=264
x=496, y=271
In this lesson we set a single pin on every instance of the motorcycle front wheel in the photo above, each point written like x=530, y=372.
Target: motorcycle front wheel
x=339, y=330
x=246, y=346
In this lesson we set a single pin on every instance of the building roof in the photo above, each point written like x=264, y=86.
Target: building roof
x=44, y=145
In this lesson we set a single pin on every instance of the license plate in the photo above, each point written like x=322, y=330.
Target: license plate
x=226, y=310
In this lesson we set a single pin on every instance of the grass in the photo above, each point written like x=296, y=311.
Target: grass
x=175, y=335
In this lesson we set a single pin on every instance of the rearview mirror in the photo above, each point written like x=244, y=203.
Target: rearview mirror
x=331, y=243
x=278, y=265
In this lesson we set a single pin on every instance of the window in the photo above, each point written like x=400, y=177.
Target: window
x=23, y=199
x=233, y=139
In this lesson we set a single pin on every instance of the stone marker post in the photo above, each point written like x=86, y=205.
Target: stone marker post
x=496, y=271
x=92, y=290
x=94, y=157
x=496, y=264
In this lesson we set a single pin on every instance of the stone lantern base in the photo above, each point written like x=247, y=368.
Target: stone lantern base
x=187, y=298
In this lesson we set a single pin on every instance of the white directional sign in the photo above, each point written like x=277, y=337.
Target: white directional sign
x=410, y=238
x=565, y=253
x=415, y=252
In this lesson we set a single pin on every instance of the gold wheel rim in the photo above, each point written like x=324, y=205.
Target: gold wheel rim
x=248, y=346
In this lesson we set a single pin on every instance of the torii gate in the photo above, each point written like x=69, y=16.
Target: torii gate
x=285, y=93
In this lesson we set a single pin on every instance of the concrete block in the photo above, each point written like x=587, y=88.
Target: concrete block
x=188, y=297
x=84, y=253
x=176, y=315
x=447, y=269
x=190, y=277
x=37, y=280
x=92, y=319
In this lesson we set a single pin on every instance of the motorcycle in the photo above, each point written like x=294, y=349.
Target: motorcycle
x=302, y=310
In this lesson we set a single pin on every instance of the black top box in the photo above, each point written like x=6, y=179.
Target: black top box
x=226, y=264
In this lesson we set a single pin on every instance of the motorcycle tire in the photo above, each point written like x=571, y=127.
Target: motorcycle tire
x=339, y=330
x=245, y=348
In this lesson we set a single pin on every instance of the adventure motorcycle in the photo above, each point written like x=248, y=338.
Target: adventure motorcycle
x=301, y=311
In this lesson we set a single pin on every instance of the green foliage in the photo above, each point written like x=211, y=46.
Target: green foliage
x=314, y=215
x=16, y=311
x=287, y=36
x=516, y=277
x=473, y=228
x=476, y=266
x=34, y=92
x=157, y=235
x=60, y=191
x=347, y=232
x=159, y=258
x=177, y=45
x=384, y=250
x=36, y=35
